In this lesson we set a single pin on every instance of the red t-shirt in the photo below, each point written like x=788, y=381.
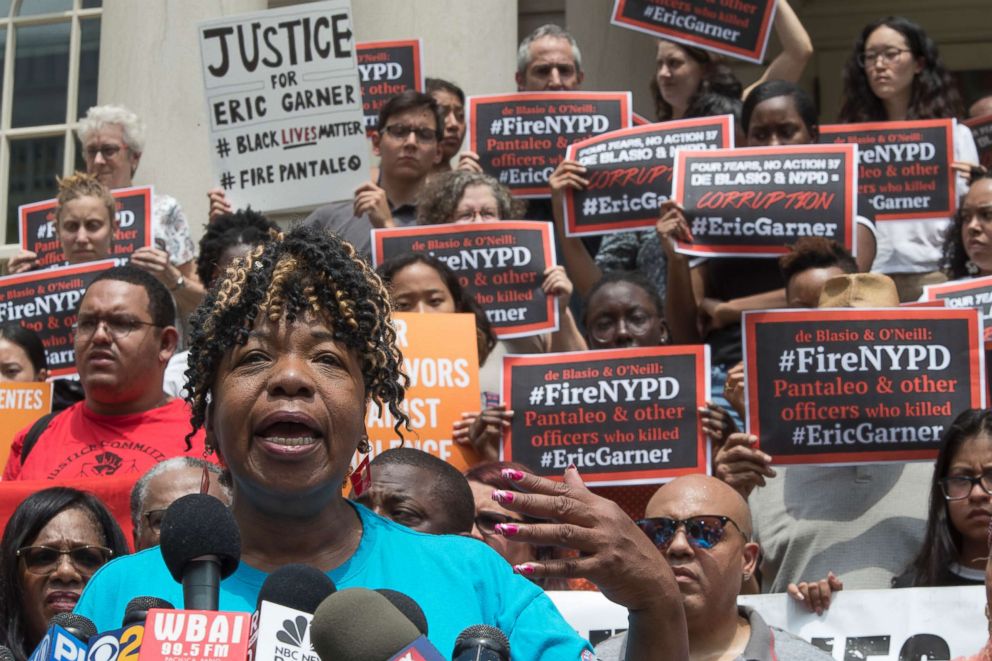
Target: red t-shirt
x=80, y=443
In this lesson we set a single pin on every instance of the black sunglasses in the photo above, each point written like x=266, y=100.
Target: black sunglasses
x=704, y=531
x=44, y=560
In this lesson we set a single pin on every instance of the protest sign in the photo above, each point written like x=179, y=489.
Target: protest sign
x=20, y=405
x=630, y=172
x=904, y=168
x=757, y=202
x=45, y=301
x=981, y=129
x=639, y=120
x=622, y=416
x=521, y=138
x=738, y=28
x=441, y=358
x=969, y=293
x=881, y=625
x=387, y=68
x=859, y=385
x=500, y=263
x=284, y=104
x=134, y=226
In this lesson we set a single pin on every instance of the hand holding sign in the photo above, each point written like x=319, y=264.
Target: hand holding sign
x=483, y=431
x=815, y=595
x=371, y=199
x=23, y=261
x=741, y=464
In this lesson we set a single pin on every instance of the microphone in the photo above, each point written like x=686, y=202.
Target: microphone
x=64, y=639
x=406, y=605
x=362, y=625
x=481, y=642
x=280, y=626
x=136, y=611
x=201, y=546
x=126, y=641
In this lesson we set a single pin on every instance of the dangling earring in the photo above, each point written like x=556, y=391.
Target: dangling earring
x=971, y=267
x=363, y=445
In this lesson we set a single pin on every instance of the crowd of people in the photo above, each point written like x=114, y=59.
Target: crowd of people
x=244, y=369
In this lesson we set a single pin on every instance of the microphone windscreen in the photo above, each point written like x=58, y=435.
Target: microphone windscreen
x=359, y=625
x=297, y=586
x=6, y=654
x=139, y=606
x=406, y=605
x=79, y=626
x=485, y=636
x=197, y=525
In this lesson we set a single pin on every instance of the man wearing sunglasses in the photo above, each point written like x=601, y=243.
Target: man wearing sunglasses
x=702, y=527
x=407, y=142
x=123, y=339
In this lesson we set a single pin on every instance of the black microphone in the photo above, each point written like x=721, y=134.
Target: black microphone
x=406, y=605
x=6, y=654
x=297, y=586
x=201, y=546
x=481, y=642
x=77, y=625
x=137, y=609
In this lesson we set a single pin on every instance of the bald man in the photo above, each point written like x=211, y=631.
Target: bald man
x=702, y=527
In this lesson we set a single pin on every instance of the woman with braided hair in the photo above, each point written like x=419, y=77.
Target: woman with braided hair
x=290, y=347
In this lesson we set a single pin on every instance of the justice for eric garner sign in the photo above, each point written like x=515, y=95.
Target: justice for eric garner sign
x=969, y=293
x=441, y=359
x=859, y=385
x=622, y=416
x=134, y=226
x=387, y=68
x=521, y=138
x=630, y=172
x=500, y=263
x=738, y=28
x=757, y=202
x=904, y=168
x=285, y=106
x=981, y=129
x=45, y=301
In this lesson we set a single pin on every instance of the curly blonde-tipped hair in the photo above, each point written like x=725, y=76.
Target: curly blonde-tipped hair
x=79, y=185
x=306, y=271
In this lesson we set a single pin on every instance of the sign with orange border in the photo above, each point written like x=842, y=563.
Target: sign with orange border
x=622, y=416
x=851, y=386
x=521, y=138
x=385, y=69
x=45, y=301
x=21, y=403
x=969, y=293
x=738, y=29
x=981, y=129
x=904, y=170
x=758, y=201
x=630, y=172
x=134, y=226
x=441, y=360
x=500, y=263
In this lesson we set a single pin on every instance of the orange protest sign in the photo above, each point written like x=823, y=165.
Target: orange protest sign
x=20, y=405
x=441, y=358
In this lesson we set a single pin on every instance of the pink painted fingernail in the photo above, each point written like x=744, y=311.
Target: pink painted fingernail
x=512, y=474
x=526, y=569
x=571, y=467
x=503, y=497
x=506, y=529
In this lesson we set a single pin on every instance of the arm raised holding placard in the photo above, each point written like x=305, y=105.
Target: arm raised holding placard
x=797, y=48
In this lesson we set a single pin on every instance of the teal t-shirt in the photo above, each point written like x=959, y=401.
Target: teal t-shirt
x=457, y=581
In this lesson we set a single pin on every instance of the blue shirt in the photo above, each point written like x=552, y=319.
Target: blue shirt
x=457, y=581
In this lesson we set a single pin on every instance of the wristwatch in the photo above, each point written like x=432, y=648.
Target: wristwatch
x=180, y=283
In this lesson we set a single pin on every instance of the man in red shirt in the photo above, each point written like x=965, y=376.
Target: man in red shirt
x=124, y=337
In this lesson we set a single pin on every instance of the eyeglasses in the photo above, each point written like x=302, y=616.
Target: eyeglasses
x=107, y=151
x=154, y=519
x=959, y=487
x=704, y=531
x=604, y=329
x=469, y=215
x=118, y=327
x=44, y=560
x=886, y=56
x=401, y=131
x=486, y=522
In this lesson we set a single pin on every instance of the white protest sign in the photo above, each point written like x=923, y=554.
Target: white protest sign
x=284, y=105
x=912, y=624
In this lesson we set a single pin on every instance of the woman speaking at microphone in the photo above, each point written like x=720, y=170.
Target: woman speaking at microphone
x=289, y=348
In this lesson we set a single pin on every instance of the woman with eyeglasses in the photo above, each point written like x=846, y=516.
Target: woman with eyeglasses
x=955, y=546
x=54, y=542
x=894, y=74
